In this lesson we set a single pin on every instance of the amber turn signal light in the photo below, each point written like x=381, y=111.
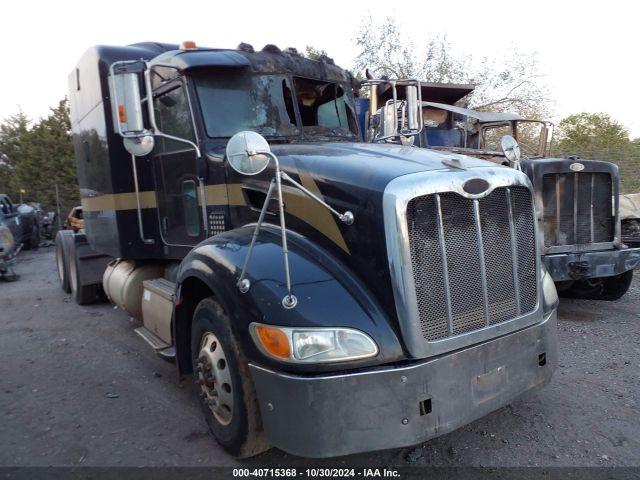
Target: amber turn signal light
x=274, y=341
x=122, y=114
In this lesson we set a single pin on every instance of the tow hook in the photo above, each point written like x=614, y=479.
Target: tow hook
x=578, y=270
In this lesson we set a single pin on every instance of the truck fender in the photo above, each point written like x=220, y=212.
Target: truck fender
x=328, y=294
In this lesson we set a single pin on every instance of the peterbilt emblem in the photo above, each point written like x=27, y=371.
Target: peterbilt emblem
x=475, y=186
x=576, y=167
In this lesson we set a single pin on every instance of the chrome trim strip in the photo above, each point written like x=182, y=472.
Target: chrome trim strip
x=148, y=241
x=514, y=253
x=575, y=207
x=557, y=208
x=445, y=264
x=593, y=186
x=397, y=194
x=483, y=268
x=576, y=248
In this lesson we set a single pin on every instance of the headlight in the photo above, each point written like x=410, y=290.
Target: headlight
x=312, y=345
x=549, y=292
x=6, y=241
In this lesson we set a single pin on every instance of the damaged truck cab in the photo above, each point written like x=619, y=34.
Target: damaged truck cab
x=327, y=295
x=577, y=200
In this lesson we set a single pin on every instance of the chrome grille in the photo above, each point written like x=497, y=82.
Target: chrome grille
x=577, y=208
x=473, y=261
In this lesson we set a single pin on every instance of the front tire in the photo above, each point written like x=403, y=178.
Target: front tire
x=227, y=394
x=606, y=288
x=34, y=239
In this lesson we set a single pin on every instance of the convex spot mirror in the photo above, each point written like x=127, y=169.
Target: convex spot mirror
x=139, y=146
x=510, y=148
x=248, y=153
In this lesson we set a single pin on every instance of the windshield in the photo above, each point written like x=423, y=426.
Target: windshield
x=231, y=103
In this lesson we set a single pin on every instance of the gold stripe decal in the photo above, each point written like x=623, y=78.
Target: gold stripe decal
x=306, y=209
x=215, y=194
x=296, y=203
x=119, y=201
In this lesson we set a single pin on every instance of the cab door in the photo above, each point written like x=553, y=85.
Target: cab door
x=176, y=167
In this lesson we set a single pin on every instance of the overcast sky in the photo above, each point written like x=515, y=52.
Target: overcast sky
x=589, y=51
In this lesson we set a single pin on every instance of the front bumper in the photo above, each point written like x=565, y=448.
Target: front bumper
x=390, y=407
x=582, y=265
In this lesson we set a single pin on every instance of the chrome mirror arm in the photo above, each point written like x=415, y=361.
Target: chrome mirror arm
x=243, y=283
x=289, y=301
x=346, y=217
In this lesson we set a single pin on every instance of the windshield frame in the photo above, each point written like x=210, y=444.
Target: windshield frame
x=303, y=132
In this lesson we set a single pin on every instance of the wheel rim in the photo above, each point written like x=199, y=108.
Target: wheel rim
x=214, y=378
x=59, y=260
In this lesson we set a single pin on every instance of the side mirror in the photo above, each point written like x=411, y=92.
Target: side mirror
x=412, y=107
x=248, y=153
x=389, y=120
x=126, y=107
x=511, y=150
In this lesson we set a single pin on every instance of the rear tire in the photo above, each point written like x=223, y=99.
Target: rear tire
x=82, y=294
x=606, y=288
x=233, y=417
x=34, y=239
x=63, y=240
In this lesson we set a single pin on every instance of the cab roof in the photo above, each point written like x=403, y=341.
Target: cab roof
x=268, y=60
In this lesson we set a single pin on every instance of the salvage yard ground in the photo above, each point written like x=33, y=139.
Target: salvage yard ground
x=79, y=387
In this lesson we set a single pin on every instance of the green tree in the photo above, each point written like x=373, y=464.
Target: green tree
x=598, y=136
x=40, y=156
x=13, y=132
x=313, y=53
x=591, y=132
x=506, y=84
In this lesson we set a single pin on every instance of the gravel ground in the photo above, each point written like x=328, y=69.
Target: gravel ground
x=79, y=387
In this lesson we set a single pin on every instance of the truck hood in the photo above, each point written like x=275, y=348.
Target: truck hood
x=368, y=166
x=353, y=176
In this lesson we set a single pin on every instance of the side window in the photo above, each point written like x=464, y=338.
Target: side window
x=190, y=205
x=324, y=106
x=173, y=117
x=333, y=113
x=5, y=207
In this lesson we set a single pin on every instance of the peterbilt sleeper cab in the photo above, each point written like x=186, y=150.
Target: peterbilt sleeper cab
x=577, y=200
x=328, y=296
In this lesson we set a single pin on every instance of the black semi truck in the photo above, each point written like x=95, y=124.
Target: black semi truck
x=577, y=200
x=328, y=296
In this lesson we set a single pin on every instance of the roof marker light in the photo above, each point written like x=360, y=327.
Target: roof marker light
x=188, y=45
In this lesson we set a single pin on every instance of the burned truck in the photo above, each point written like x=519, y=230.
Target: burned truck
x=328, y=296
x=19, y=228
x=577, y=200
